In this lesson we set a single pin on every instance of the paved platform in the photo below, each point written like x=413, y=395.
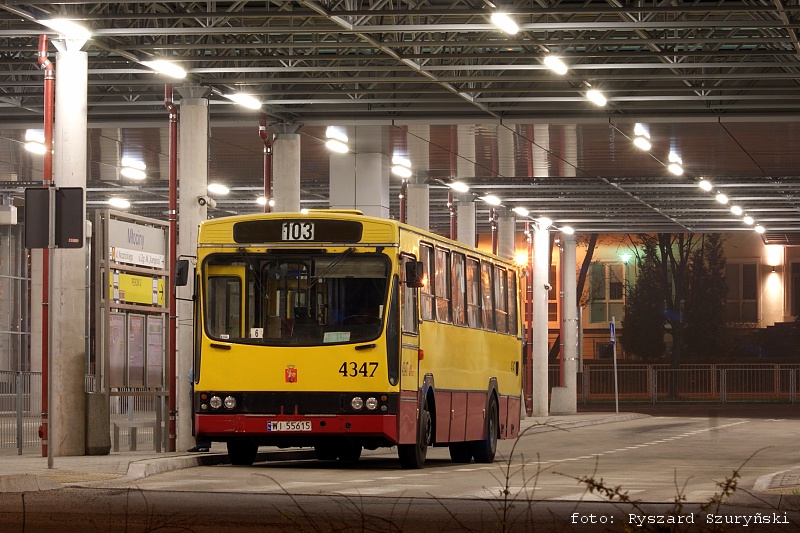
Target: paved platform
x=30, y=472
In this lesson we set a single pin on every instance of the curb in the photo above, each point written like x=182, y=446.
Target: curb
x=547, y=424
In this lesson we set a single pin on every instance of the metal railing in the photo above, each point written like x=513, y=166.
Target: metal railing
x=20, y=409
x=20, y=393
x=724, y=383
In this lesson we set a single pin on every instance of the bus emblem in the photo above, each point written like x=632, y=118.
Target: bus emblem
x=291, y=374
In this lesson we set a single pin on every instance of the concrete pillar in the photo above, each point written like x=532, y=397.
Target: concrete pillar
x=540, y=150
x=541, y=269
x=286, y=172
x=418, y=205
x=506, y=234
x=564, y=400
x=465, y=219
x=360, y=180
x=465, y=163
x=418, y=141
x=192, y=182
x=505, y=148
x=67, y=422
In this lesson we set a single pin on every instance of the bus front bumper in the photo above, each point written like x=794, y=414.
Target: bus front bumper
x=224, y=425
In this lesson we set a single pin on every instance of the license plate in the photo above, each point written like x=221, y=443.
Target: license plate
x=289, y=425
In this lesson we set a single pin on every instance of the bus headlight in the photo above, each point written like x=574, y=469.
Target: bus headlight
x=357, y=403
x=371, y=403
x=215, y=402
x=230, y=402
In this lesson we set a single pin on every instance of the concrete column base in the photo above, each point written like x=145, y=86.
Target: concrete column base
x=98, y=438
x=562, y=402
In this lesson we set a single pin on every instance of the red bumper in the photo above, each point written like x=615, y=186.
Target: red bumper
x=353, y=426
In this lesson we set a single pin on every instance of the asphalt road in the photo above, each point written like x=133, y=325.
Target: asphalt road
x=650, y=462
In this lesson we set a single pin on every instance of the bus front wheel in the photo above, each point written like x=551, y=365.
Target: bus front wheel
x=484, y=450
x=242, y=452
x=413, y=455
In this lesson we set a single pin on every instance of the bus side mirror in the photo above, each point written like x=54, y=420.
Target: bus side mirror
x=181, y=272
x=414, y=274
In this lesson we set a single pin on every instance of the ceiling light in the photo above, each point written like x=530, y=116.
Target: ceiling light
x=736, y=210
x=459, y=186
x=568, y=230
x=544, y=222
x=337, y=140
x=675, y=158
x=133, y=169
x=759, y=229
x=120, y=203
x=68, y=29
x=675, y=168
x=505, y=23
x=244, y=100
x=748, y=220
x=640, y=130
x=491, y=199
x=218, y=188
x=721, y=198
x=272, y=202
x=401, y=166
x=261, y=200
x=596, y=97
x=521, y=211
x=705, y=185
x=34, y=141
x=167, y=68
x=642, y=143
x=35, y=147
x=555, y=64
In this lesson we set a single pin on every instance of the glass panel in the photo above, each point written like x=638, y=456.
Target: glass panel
x=459, y=290
x=597, y=312
x=732, y=280
x=749, y=282
x=409, y=309
x=442, y=285
x=500, y=300
x=224, y=317
x=749, y=312
x=473, y=294
x=615, y=275
x=512, y=303
x=426, y=292
x=486, y=296
x=303, y=300
x=615, y=310
x=597, y=282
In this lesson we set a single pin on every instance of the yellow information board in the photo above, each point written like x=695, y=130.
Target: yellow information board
x=131, y=289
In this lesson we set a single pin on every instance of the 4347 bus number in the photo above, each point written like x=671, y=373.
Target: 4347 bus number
x=351, y=369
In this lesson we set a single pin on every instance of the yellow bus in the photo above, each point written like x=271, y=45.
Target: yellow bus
x=338, y=331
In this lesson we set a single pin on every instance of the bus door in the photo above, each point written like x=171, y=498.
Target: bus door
x=409, y=357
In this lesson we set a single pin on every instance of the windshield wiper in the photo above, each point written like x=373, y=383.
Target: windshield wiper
x=331, y=266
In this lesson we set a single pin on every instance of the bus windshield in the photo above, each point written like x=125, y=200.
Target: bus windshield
x=285, y=298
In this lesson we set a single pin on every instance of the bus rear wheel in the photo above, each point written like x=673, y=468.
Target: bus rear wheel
x=413, y=455
x=242, y=452
x=484, y=450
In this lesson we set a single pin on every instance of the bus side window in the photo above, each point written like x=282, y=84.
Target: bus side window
x=458, y=290
x=473, y=294
x=512, y=302
x=500, y=300
x=486, y=296
x=427, y=291
x=442, y=285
